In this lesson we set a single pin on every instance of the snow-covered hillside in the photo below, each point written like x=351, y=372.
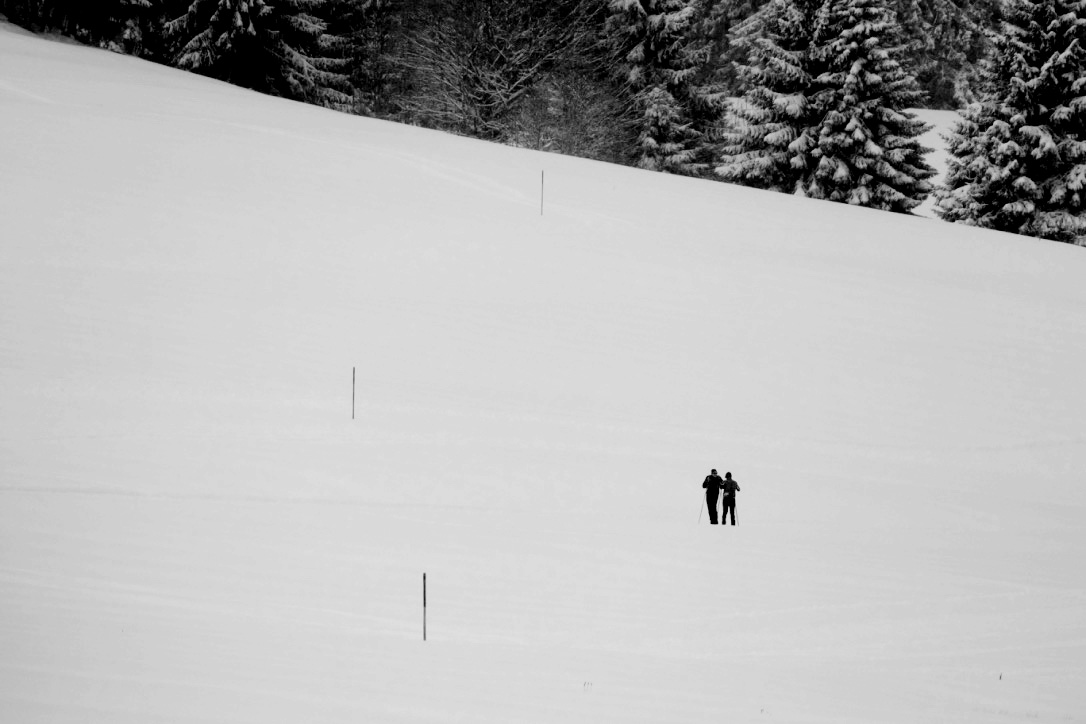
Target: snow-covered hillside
x=193, y=528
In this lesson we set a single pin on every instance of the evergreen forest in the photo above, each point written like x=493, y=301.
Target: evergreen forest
x=796, y=96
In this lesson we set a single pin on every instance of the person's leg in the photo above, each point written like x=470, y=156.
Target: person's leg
x=710, y=502
x=731, y=506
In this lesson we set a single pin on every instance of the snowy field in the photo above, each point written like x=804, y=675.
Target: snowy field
x=194, y=529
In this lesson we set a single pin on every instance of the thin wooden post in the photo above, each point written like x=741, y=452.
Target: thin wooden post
x=423, y=606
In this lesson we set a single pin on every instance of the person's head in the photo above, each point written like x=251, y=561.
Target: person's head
x=728, y=476
x=714, y=471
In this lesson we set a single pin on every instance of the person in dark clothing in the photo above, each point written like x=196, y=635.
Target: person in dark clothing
x=730, y=488
x=712, y=487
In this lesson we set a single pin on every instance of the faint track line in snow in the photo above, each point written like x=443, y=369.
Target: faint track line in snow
x=425, y=164
x=218, y=498
x=428, y=165
x=121, y=592
x=855, y=446
x=8, y=86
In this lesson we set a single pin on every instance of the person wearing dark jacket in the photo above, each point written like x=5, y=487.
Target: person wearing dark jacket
x=730, y=488
x=712, y=487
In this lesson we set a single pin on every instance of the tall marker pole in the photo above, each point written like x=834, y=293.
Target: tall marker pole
x=353, y=373
x=423, y=606
x=541, y=192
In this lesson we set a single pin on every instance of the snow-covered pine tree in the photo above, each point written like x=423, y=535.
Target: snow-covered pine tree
x=724, y=19
x=768, y=132
x=867, y=150
x=707, y=94
x=279, y=48
x=661, y=61
x=944, y=42
x=1018, y=158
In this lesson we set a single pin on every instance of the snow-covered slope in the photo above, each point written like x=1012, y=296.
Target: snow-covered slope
x=193, y=528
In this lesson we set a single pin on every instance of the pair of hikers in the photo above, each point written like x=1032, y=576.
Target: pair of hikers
x=714, y=485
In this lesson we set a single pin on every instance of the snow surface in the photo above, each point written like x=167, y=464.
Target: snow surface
x=193, y=528
x=940, y=125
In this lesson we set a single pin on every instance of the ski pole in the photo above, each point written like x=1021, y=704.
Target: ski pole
x=701, y=511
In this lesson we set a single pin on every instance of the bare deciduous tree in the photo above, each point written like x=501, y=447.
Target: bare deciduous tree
x=473, y=61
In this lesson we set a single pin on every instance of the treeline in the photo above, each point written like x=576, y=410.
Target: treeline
x=586, y=77
x=797, y=96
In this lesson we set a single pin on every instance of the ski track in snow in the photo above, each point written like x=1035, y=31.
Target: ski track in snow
x=8, y=87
